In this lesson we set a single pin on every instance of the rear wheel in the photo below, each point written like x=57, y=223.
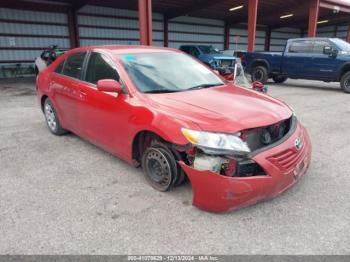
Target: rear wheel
x=159, y=166
x=279, y=79
x=259, y=73
x=52, y=120
x=345, y=82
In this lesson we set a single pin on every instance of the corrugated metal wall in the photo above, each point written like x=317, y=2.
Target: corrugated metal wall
x=24, y=34
x=107, y=26
x=280, y=36
x=185, y=30
x=339, y=31
x=239, y=39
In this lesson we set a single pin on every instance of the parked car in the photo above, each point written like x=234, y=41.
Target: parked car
x=212, y=57
x=326, y=59
x=169, y=113
x=47, y=57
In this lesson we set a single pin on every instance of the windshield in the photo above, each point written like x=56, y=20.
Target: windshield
x=343, y=46
x=208, y=49
x=167, y=72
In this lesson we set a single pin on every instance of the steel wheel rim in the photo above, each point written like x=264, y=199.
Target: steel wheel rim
x=347, y=83
x=50, y=117
x=258, y=75
x=158, y=167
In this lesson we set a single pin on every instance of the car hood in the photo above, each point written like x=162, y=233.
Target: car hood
x=222, y=109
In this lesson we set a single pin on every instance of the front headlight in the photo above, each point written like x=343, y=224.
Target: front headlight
x=216, y=143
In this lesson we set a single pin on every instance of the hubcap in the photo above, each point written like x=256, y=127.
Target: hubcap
x=50, y=117
x=158, y=167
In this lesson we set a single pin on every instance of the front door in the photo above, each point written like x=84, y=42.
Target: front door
x=103, y=115
x=323, y=66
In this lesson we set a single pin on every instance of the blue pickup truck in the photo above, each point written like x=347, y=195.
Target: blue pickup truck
x=212, y=57
x=325, y=59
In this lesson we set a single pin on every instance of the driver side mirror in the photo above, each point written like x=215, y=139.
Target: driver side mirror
x=328, y=50
x=109, y=85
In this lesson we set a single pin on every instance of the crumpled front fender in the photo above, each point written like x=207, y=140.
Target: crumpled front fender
x=216, y=193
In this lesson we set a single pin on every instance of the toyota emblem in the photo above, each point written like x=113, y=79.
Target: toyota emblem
x=298, y=143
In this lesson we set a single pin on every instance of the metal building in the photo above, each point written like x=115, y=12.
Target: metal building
x=28, y=26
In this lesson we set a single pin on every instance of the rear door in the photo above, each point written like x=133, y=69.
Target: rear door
x=64, y=83
x=323, y=66
x=297, y=59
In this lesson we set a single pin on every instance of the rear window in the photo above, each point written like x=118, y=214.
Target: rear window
x=301, y=47
x=74, y=64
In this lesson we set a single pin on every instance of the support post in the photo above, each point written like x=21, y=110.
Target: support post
x=73, y=28
x=348, y=34
x=313, y=17
x=252, y=20
x=166, y=32
x=227, y=37
x=145, y=21
x=267, y=39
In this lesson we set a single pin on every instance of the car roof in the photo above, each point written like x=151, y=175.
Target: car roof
x=126, y=49
x=311, y=38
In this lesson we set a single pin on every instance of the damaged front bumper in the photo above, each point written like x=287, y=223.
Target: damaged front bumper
x=284, y=164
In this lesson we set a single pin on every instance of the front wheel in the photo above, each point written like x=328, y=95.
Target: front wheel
x=159, y=166
x=345, y=82
x=279, y=79
x=260, y=74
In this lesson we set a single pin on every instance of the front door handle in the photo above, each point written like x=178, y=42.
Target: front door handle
x=82, y=95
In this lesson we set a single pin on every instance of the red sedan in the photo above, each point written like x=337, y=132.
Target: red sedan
x=163, y=110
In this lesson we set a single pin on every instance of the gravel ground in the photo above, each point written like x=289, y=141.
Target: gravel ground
x=62, y=195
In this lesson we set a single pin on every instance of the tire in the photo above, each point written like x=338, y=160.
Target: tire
x=159, y=167
x=345, y=82
x=180, y=178
x=279, y=79
x=51, y=118
x=259, y=73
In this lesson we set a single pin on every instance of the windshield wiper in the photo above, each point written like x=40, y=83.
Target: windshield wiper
x=201, y=86
x=161, y=91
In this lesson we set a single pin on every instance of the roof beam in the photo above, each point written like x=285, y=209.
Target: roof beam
x=199, y=5
x=76, y=5
x=37, y=6
x=335, y=7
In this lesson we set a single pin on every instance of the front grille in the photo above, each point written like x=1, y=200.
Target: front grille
x=248, y=168
x=226, y=63
x=289, y=158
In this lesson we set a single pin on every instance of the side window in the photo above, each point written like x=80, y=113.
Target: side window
x=194, y=51
x=100, y=67
x=60, y=67
x=184, y=49
x=319, y=46
x=45, y=55
x=305, y=46
x=74, y=64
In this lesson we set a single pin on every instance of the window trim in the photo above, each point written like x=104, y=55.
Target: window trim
x=64, y=64
x=86, y=63
x=300, y=41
